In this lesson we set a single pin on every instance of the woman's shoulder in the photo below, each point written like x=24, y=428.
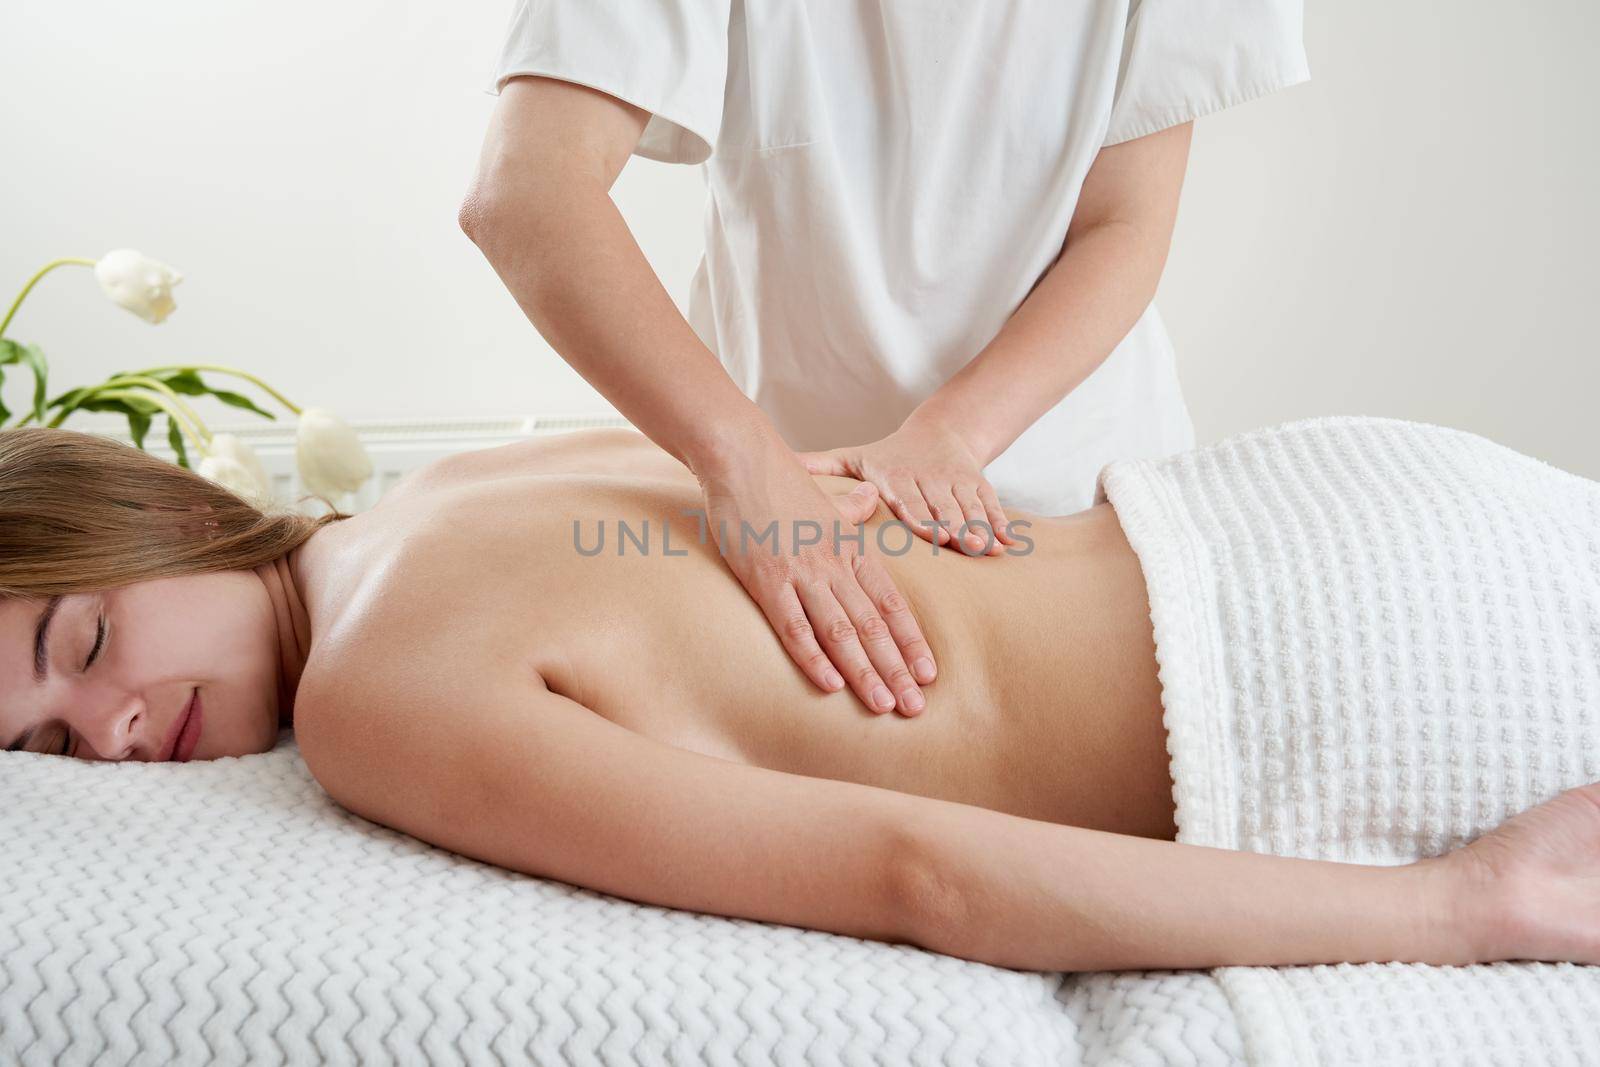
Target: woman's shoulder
x=364, y=659
x=607, y=451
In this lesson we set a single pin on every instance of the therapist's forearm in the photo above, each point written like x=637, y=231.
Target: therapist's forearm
x=567, y=256
x=1075, y=317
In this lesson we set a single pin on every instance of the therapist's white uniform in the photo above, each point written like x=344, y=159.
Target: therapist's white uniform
x=889, y=179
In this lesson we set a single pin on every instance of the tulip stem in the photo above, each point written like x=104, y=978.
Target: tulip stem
x=46, y=269
x=154, y=383
x=159, y=401
x=219, y=369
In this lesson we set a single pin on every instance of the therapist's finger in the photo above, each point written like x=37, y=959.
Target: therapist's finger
x=997, y=514
x=841, y=640
x=911, y=509
x=980, y=539
x=824, y=463
x=782, y=607
x=877, y=584
x=859, y=504
x=879, y=642
x=943, y=504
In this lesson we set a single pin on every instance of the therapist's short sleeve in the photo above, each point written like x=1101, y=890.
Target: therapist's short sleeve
x=1182, y=59
x=669, y=57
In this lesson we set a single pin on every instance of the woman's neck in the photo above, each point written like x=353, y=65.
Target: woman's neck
x=284, y=580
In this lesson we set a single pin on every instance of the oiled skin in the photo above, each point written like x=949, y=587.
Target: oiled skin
x=1046, y=705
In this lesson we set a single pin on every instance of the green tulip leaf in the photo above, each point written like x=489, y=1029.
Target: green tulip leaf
x=189, y=383
x=138, y=410
x=182, y=381
x=175, y=439
x=93, y=404
x=239, y=400
x=69, y=402
x=85, y=398
x=33, y=356
x=71, y=397
x=16, y=352
x=143, y=405
x=138, y=426
x=120, y=404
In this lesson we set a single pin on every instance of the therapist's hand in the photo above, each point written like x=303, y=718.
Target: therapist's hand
x=930, y=480
x=833, y=605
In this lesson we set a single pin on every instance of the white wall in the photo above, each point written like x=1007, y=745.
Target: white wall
x=1410, y=234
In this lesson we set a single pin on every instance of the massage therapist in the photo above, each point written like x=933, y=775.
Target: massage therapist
x=933, y=233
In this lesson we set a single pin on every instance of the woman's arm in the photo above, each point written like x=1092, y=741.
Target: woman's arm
x=1083, y=306
x=1039, y=896
x=1046, y=897
x=522, y=777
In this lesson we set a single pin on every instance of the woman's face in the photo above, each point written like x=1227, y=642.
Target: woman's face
x=149, y=647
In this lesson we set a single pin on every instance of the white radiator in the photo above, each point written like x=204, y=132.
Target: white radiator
x=397, y=446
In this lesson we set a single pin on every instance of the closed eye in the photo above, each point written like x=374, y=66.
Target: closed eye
x=99, y=642
x=94, y=654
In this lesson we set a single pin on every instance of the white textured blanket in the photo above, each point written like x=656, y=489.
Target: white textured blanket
x=228, y=912
x=1377, y=640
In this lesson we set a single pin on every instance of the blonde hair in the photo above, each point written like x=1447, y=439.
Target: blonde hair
x=81, y=512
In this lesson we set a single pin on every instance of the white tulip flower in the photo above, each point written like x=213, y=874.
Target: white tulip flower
x=230, y=474
x=331, y=457
x=225, y=446
x=137, y=283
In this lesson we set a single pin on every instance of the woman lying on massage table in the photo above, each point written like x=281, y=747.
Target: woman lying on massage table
x=1377, y=642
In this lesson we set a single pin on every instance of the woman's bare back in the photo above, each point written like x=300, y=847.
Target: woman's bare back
x=1046, y=704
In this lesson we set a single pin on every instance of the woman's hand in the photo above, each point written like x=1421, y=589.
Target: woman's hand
x=834, y=607
x=929, y=479
x=1530, y=888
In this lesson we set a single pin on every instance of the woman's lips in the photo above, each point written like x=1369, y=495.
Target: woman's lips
x=181, y=744
x=191, y=731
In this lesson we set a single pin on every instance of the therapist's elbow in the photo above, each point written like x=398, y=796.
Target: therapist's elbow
x=493, y=212
x=495, y=203
x=480, y=215
x=469, y=216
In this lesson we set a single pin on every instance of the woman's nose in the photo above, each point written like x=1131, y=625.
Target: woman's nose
x=113, y=724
